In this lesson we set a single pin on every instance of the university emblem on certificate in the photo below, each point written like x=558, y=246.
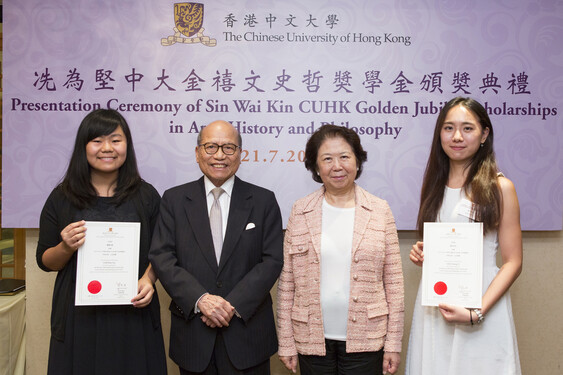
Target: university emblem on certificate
x=188, y=18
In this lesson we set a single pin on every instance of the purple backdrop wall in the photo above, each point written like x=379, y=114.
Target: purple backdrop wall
x=278, y=70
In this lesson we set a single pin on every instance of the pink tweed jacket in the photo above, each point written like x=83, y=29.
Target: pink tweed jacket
x=376, y=308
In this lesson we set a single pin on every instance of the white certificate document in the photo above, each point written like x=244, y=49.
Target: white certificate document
x=108, y=264
x=452, y=271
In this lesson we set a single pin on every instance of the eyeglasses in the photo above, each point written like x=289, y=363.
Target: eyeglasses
x=227, y=148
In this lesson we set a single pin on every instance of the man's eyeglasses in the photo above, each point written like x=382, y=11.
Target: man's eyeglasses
x=212, y=148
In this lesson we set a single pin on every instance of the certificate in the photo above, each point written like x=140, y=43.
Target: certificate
x=452, y=271
x=107, y=268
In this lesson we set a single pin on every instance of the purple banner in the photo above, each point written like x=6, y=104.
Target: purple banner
x=278, y=70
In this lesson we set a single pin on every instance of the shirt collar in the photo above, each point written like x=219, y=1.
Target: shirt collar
x=227, y=185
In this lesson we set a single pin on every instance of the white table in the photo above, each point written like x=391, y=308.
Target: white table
x=12, y=334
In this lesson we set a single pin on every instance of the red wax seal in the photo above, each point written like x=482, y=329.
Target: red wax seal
x=440, y=288
x=94, y=287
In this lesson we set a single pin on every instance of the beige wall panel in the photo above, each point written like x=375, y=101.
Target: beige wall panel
x=536, y=299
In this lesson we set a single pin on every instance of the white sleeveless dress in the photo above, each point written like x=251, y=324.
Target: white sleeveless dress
x=440, y=348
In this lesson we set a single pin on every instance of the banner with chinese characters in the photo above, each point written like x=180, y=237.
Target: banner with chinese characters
x=277, y=70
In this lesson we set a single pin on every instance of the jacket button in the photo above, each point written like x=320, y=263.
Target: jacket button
x=355, y=299
x=354, y=319
x=219, y=284
x=356, y=259
x=356, y=277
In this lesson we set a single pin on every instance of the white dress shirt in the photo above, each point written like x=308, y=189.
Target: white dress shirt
x=224, y=199
x=224, y=202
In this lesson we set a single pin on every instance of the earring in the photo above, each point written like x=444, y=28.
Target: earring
x=482, y=144
x=318, y=174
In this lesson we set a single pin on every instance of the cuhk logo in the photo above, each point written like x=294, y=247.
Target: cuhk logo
x=188, y=18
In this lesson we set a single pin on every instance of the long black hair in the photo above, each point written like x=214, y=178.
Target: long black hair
x=481, y=184
x=76, y=184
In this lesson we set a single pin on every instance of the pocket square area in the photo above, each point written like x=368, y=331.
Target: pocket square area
x=250, y=226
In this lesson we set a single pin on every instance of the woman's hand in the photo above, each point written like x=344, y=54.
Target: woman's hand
x=145, y=290
x=417, y=254
x=456, y=314
x=73, y=236
x=391, y=362
x=290, y=362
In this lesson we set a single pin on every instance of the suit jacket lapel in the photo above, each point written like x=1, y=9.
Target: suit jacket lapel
x=313, y=217
x=362, y=217
x=198, y=219
x=239, y=212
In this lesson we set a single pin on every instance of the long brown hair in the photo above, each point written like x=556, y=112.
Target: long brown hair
x=481, y=184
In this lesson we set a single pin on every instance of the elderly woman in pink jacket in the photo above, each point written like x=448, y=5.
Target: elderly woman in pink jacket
x=340, y=294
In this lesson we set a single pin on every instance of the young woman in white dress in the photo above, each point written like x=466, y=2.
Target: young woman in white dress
x=453, y=339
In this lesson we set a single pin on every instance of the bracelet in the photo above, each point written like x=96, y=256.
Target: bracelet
x=470, y=316
x=479, y=315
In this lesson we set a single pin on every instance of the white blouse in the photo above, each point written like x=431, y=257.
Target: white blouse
x=336, y=257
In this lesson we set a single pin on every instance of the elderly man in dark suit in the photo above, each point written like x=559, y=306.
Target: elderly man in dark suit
x=217, y=250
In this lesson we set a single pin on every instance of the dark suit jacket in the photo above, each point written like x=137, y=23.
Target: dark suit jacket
x=183, y=256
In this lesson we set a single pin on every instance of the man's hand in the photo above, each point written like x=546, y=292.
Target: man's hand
x=217, y=311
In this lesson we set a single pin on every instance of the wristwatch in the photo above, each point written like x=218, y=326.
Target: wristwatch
x=479, y=315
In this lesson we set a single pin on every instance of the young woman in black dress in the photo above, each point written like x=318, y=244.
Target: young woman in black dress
x=102, y=183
